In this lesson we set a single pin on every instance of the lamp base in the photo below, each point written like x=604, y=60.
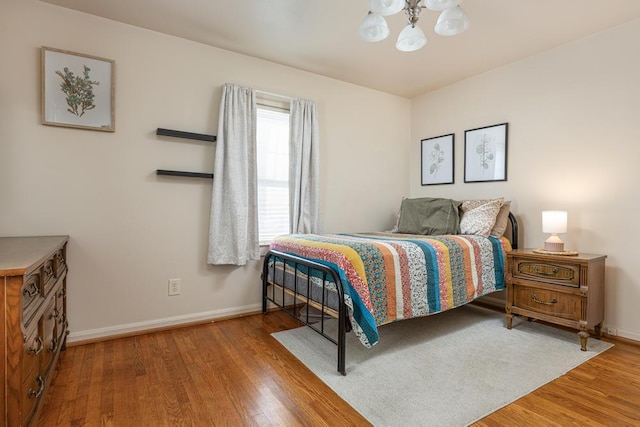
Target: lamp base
x=554, y=247
x=554, y=244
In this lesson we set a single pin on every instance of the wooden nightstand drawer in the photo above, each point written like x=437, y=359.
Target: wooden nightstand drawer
x=565, y=274
x=558, y=304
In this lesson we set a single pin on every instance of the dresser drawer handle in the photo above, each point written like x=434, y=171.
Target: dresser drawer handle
x=535, y=299
x=32, y=291
x=545, y=272
x=60, y=258
x=38, y=349
x=34, y=393
x=48, y=270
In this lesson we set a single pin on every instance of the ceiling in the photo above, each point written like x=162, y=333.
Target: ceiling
x=321, y=36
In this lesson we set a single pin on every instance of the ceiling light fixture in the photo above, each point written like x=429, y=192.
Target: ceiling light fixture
x=374, y=28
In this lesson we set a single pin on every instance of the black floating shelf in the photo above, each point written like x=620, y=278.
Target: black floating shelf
x=184, y=174
x=187, y=135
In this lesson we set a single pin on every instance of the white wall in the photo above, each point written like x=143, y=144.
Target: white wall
x=130, y=230
x=574, y=135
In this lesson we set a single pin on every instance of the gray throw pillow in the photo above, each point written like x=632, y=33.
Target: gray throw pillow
x=429, y=216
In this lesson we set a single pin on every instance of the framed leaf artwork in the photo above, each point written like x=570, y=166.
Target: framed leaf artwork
x=485, y=154
x=437, y=160
x=78, y=90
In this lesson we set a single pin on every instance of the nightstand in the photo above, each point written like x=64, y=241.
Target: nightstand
x=564, y=290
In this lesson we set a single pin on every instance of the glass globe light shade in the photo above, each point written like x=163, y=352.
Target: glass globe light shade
x=451, y=22
x=411, y=38
x=386, y=7
x=374, y=28
x=442, y=4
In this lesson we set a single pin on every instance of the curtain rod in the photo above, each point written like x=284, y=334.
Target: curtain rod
x=275, y=95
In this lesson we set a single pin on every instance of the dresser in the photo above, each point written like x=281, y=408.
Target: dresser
x=33, y=272
x=564, y=290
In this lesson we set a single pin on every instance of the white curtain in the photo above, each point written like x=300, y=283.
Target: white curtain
x=233, y=230
x=304, y=165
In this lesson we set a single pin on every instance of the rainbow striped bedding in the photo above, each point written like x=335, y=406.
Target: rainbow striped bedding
x=389, y=276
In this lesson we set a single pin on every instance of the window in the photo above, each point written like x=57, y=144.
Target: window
x=272, y=133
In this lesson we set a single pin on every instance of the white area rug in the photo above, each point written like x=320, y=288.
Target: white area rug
x=450, y=369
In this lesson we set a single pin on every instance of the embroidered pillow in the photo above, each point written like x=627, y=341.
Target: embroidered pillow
x=479, y=216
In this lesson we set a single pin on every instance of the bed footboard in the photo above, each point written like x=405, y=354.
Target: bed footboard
x=289, y=281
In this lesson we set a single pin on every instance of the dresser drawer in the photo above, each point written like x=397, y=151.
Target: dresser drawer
x=566, y=274
x=557, y=304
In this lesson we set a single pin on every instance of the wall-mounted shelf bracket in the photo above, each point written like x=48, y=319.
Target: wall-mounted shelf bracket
x=186, y=135
x=184, y=174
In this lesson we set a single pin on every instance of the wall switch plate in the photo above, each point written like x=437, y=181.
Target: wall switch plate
x=174, y=287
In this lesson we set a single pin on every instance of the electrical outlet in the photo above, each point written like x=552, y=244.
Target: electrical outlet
x=612, y=332
x=174, y=287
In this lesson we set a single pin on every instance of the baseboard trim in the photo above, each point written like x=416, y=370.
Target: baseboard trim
x=140, y=328
x=628, y=335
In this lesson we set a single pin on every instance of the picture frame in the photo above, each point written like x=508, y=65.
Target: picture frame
x=78, y=90
x=485, y=153
x=437, y=160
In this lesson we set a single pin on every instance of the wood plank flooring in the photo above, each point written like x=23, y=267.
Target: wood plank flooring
x=234, y=373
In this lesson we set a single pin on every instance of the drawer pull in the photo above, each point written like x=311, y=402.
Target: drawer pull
x=48, y=270
x=34, y=393
x=31, y=291
x=38, y=349
x=535, y=299
x=54, y=345
x=545, y=272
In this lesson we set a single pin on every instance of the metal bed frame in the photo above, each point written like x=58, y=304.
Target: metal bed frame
x=302, y=270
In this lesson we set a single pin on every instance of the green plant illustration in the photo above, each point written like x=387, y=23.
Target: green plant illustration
x=437, y=158
x=485, y=151
x=78, y=90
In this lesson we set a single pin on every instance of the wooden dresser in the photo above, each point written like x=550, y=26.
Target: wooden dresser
x=565, y=290
x=33, y=273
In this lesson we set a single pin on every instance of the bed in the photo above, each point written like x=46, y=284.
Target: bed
x=440, y=255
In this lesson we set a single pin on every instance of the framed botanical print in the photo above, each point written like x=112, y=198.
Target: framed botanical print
x=485, y=154
x=78, y=90
x=437, y=160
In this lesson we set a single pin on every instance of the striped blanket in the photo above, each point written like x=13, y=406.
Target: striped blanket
x=389, y=276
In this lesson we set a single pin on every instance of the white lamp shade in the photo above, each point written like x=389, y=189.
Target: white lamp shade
x=411, y=38
x=452, y=21
x=386, y=7
x=374, y=28
x=442, y=4
x=554, y=222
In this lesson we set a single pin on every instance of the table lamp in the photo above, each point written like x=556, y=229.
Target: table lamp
x=554, y=222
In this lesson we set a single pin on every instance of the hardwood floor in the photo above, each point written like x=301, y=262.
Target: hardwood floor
x=234, y=373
